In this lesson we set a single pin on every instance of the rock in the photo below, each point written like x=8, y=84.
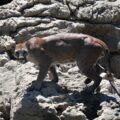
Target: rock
x=42, y=99
x=73, y=113
x=105, y=86
x=98, y=12
x=6, y=43
x=73, y=70
x=4, y=58
x=23, y=27
x=1, y=116
x=57, y=10
x=109, y=111
x=5, y=105
x=6, y=13
x=7, y=85
x=26, y=77
x=53, y=101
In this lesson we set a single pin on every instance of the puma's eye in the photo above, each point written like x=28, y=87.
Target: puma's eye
x=17, y=54
x=25, y=53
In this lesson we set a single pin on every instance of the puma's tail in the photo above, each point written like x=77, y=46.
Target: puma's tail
x=108, y=70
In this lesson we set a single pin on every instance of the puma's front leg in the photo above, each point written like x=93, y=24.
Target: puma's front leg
x=43, y=69
x=53, y=74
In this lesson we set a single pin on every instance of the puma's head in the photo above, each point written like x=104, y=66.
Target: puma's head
x=20, y=52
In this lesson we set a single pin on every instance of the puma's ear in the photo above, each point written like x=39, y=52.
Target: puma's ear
x=27, y=44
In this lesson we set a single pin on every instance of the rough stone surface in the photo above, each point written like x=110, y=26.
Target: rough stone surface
x=6, y=43
x=22, y=19
x=61, y=101
x=4, y=58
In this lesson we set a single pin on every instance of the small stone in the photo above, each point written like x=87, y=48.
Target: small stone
x=73, y=70
x=42, y=99
x=72, y=113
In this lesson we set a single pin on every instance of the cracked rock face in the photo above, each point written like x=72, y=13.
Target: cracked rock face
x=23, y=19
x=61, y=101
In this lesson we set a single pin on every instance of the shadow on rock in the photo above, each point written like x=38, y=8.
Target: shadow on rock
x=54, y=102
x=49, y=88
x=92, y=102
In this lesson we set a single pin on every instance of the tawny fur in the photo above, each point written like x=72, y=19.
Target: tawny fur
x=62, y=48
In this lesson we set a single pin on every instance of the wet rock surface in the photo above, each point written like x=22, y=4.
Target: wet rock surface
x=22, y=19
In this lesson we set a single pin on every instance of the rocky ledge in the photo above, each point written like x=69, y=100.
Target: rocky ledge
x=20, y=20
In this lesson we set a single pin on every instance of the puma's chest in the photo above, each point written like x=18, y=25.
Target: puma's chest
x=32, y=59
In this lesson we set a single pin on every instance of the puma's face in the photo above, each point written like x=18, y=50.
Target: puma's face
x=20, y=52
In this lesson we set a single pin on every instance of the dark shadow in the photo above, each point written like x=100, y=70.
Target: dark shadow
x=45, y=92
x=91, y=101
x=10, y=54
x=3, y=2
x=49, y=84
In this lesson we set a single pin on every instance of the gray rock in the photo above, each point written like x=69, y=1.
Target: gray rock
x=4, y=58
x=73, y=113
x=6, y=43
x=6, y=13
x=100, y=12
x=73, y=70
x=54, y=10
x=54, y=101
x=109, y=111
x=1, y=118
